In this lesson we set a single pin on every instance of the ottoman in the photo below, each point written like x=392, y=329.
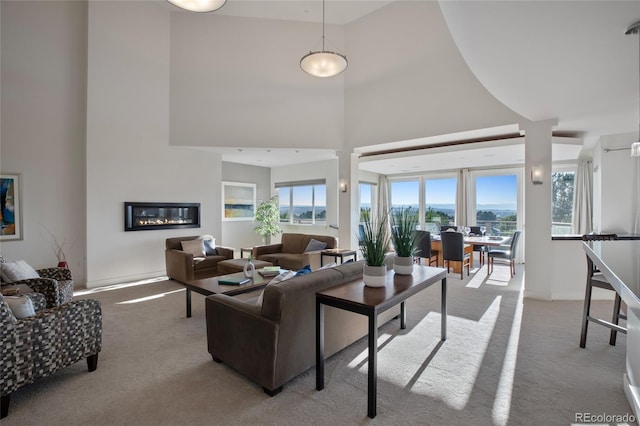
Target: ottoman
x=231, y=266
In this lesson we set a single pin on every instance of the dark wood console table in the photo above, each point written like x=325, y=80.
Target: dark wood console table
x=355, y=297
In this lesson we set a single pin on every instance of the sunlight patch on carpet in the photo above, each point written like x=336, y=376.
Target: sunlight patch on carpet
x=118, y=286
x=147, y=298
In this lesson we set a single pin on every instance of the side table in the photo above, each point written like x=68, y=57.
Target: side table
x=338, y=253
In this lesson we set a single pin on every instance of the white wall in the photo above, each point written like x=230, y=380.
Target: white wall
x=406, y=79
x=327, y=170
x=238, y=234
x=128, y=153
x=42, y=127
x=237, y=82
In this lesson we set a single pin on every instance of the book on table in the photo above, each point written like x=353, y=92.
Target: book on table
x=269, y=271
x=233, y=280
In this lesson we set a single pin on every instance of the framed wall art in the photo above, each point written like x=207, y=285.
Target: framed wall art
x=238, y=201
x=10, y=208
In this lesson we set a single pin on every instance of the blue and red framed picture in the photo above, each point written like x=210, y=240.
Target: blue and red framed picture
x=10, y=214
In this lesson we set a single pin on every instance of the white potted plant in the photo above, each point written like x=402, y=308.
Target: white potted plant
x=374, y=244
x=403, y=236
x=268, y=217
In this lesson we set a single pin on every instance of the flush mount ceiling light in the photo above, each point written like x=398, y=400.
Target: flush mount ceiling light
x=635, y=29
x=198, y=5
x=323, y=63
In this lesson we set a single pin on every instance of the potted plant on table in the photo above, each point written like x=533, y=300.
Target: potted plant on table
x=374, y=244
x=268, y=217
x=403, y=236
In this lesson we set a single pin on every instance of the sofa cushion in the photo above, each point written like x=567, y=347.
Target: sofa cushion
x=208, y=262
x=315, y=245
x=21, y=306
x=293, y=261
x=195, y=247
x=293, y=243
x=282, y=276
x=17, y=270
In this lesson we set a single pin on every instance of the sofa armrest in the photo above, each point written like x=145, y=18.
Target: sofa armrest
x=260, y=250
x=179, y=265
x=60, y=274
x=227, y=252
x=239, y=336
x=314, y=259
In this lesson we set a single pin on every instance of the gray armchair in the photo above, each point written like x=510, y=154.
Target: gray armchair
x=32, y=347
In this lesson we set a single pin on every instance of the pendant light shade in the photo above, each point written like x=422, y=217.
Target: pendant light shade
x=323, y=63
x=198, y=5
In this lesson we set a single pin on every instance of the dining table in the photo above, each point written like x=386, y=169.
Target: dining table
x=469, y=242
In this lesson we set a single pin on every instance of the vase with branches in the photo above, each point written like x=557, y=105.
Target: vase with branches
x=268, y=217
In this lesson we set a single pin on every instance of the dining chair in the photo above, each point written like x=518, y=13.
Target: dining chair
x=423, y=249
x=596, y=279
x=453, y=251
x=476, y=231
x=507, y=253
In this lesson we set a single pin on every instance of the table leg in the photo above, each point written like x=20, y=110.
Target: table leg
x=319, y=346
x=403, y=316
x=373, y=361
x=443, y=308
x=188, y=303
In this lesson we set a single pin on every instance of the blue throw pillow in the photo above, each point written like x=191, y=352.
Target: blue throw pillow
x=304, y=271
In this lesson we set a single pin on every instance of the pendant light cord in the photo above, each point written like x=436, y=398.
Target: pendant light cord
x=323, y=25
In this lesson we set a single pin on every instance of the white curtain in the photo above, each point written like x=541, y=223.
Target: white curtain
x=636, y=202
x=583, y=198
x=383, y=200
x=462, y=205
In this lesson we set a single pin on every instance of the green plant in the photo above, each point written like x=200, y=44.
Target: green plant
x=374, y=239
x=403, y=231
x=268, y=217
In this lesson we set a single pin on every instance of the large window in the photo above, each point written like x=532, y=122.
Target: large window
x=367, y=197
x=303, y=203
x=562, y=188
x=405, y=193
x=439, y=203
x=497, y=203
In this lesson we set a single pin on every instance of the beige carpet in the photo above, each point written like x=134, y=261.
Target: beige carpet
x=505, y=362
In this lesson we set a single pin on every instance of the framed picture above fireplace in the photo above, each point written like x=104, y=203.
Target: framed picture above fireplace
x=238, y=201
x=144, y=216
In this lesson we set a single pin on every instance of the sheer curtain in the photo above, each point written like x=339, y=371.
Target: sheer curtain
x=462, y=204
x=583, y=198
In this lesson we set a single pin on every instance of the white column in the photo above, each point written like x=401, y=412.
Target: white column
x=537, y=211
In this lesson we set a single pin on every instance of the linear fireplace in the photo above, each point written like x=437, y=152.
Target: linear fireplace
x=147, y=216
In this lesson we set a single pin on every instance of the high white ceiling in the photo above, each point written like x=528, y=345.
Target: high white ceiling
x=564, y=60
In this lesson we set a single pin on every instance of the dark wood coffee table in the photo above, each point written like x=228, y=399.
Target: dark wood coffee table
x=353, y=296
x=209, y=286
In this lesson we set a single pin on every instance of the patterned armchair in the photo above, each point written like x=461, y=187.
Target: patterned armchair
x=58, y=279
x=38, y=346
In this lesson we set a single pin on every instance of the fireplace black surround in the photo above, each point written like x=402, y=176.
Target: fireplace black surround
x=147, y=216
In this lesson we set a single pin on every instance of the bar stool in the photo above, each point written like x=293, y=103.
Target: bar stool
x=596, y=279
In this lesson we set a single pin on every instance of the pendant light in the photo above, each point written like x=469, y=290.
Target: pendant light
x=323, y=63
x=635, y=29
x=198, y=5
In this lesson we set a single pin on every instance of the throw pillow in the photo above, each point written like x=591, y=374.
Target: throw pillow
x=17, y=270
x=304, y=271
x=315, y=245
x=195, y=247
x=329, y=265
x=283, y=276
x=209, y=245
x=21, y=306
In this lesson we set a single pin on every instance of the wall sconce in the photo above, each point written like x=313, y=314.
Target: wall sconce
x=343, y=186
x=536, y=175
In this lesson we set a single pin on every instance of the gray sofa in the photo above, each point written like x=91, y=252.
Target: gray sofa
x=290, y=252
x=184, y=267
x=274, y=342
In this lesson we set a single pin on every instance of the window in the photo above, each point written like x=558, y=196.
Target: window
x=367, y=197
x=439, y=203
x=562, y=188
x=497, y=203
x=303, y=202
x=405, y=193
